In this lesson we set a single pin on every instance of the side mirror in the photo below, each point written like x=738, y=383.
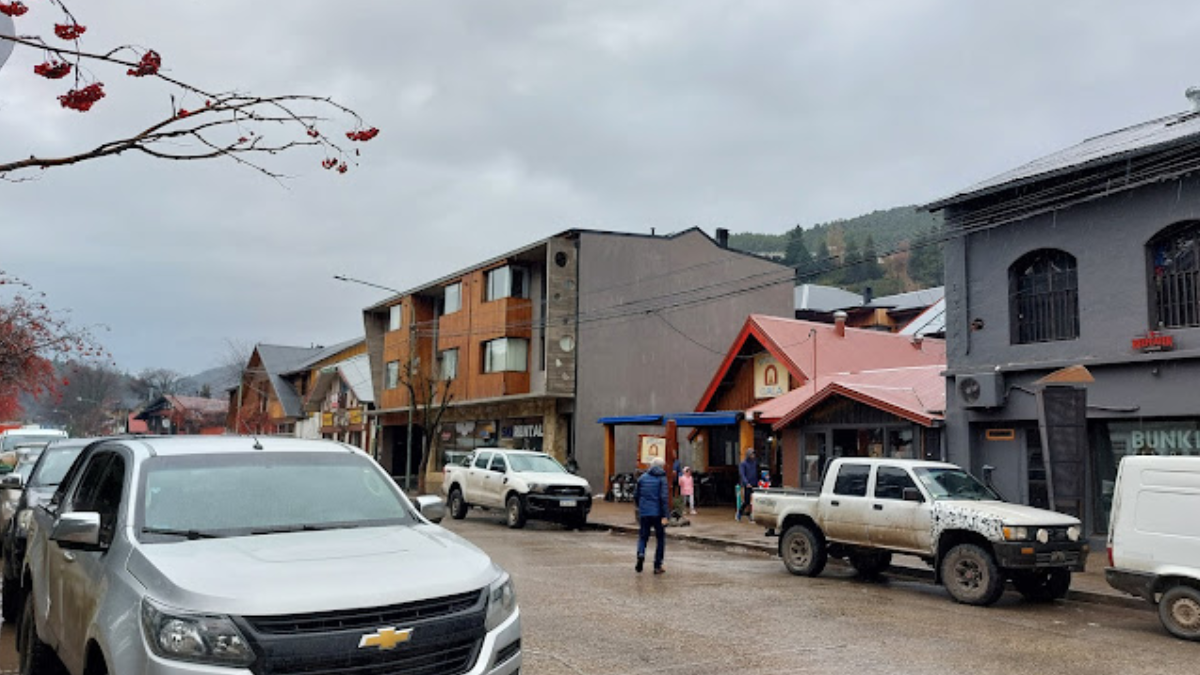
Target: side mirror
x=12, y=481
x=431, y=507
x=913, y=495
x=79, y=530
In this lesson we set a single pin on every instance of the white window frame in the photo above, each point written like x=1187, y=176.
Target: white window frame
x=447, y=307
x=395, y=317
x=506, y=355
x=449, y=360
x=499, y=283
x=392, y=375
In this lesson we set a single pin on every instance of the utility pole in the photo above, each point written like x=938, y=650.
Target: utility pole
x=412, y=392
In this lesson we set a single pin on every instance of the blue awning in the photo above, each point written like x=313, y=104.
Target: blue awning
x=693, y=419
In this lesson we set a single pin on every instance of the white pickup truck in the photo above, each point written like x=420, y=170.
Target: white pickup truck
x=869, y=509
x=525, y=483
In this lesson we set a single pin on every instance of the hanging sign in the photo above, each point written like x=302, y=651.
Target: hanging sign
x=770, y=377
x=1154, y=341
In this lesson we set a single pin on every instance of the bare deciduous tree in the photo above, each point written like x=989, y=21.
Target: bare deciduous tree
x=433, y=396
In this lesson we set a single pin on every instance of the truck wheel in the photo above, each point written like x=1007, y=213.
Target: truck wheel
x=1179, y=611
x=10, y=601
x=970, y=574
x=458, y=505
x=514, y=509
x=870, y=564
x=36, y=656
x=803, y=552
x=1043, y=586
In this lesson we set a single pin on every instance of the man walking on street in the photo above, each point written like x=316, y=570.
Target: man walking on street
x=747, y=478
x=652, y=501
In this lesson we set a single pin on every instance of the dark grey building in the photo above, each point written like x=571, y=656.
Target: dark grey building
x=1088, y=257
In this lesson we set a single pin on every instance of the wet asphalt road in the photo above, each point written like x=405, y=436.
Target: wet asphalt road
x=585, y=611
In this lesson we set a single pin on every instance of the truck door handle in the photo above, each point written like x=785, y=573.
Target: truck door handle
x=68, y=556
x=879, y=507
x=835, y=503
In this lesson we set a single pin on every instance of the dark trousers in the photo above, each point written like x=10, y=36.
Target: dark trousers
x=746, y=492
x=660, y=538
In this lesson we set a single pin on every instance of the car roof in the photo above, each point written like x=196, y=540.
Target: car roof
x=915, y=463
x=211, y=445
x=511, y=451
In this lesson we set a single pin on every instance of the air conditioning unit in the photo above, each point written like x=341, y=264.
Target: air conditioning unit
x=982, y=390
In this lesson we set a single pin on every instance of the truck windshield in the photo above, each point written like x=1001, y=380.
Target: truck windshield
x=12, y=441
x=954, y=484
x=535, y=464
x=54, y=465
x=264, y=493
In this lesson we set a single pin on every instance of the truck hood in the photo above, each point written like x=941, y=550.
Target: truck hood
x=1012, y=514
x=301, y=572
x=553, y=479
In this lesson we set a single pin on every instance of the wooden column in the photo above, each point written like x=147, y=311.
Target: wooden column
x=672, y=453
x=610, y=453
x=747, y=438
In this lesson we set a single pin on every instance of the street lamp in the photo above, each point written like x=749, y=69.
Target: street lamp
x=412, y=350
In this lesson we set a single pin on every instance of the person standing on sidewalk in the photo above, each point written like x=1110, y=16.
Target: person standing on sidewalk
x=747, y=479
x=687, y=488
x=653, y=505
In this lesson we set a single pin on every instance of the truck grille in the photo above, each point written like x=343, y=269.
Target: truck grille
x=565, y=491
x=325, y=622
x=449, y=658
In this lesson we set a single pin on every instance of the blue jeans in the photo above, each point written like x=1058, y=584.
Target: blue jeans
x=660, y=538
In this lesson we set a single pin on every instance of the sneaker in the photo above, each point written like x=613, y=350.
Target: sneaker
x=638, y=566
x=659, y=570
x=692, y=513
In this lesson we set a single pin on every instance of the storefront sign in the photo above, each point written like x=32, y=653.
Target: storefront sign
x=1164, y=441
x=522, y=431
x=356, y=416
x=327, y=419
x=770, y=378
x=1154, y=342
x=651, y=447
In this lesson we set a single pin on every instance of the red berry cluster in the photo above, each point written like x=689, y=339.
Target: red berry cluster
x=16, y=8
x=82, y=99
x=69, y=31
x=183, y=112
x=363, y=135
x=342, y=168
x=53, y=70
x=149, y=65
x=313, y=132
x=329, y=163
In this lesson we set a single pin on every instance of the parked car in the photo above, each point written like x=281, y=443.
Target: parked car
x=525, y=483
x=233, y=554
x=12, y=484
x=37, y=485
x=1154, y=538
x=869, y=509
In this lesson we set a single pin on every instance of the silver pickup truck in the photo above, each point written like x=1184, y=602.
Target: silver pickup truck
x=869, y=509
x=235, y=555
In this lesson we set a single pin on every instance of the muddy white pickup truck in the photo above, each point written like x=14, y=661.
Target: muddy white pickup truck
x=524, y=483
x=869, y=509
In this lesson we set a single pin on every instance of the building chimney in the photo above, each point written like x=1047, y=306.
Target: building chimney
x=722, y=237
x=839, y=323
x=917, y=340
x=1193, y=95
x=868, y=295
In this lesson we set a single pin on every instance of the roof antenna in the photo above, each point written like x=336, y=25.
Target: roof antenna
x=257, y=444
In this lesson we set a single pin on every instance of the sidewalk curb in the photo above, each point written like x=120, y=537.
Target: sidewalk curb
x=903, y=572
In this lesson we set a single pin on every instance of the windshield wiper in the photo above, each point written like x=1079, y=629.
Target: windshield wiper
x=284, y=529
x=191, y=535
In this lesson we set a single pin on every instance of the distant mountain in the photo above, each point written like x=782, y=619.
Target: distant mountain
x=891, y=251
x=218, y=380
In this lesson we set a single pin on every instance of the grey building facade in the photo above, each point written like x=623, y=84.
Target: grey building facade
x=1089, y=257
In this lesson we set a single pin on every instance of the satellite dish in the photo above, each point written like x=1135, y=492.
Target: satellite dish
x=6, y=28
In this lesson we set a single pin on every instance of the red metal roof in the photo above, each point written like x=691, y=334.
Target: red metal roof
x=915, y=393
x=797, y=344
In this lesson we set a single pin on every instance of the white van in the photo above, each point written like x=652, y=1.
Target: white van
x=1154, y=538
x=11, y=438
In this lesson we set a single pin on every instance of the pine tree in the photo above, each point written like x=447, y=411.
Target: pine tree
x=925, y=264
x=797, y=254
x=825, y=264
x=870, y=267
x=851, y=272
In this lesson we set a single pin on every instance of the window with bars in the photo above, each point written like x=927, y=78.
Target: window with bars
x=1175, y=276
x=1043, y=293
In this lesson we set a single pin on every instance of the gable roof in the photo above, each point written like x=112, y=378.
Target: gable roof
x=355, y=371
x=917, y=394
x=1140, y=139
x=192, y=404
x=794, y=342
x=930, y=322
x=279, y=360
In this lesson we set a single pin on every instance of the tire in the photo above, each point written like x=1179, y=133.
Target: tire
x=36, y=656
x=1179, y=611
x=1043, y=586
x=458, y=505
x=803, y=551
x=970, y=574
x=10, y=601
x=514, y=511
x=870, y=564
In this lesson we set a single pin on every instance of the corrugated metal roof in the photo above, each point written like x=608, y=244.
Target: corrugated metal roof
x=910, y=300
x=914, y=393
x=357, y=373
x=817, y=298
x=1136, y=140
x=278, y=360
x=930, y=322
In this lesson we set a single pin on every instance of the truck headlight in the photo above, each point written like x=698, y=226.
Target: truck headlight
x=1043, y=536
x=537, y=487
x=1016, y=533
x=199, y=638
x=502, y=602
x=1074, y=532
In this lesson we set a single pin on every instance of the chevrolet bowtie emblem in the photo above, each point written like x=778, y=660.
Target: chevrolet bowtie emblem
x=385, y=638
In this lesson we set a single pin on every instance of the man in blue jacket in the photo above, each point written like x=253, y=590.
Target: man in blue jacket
x=653, y=505
x=747, y=478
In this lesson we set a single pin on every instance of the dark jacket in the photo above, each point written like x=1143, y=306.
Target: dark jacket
x=748, y=472
x=650, y=495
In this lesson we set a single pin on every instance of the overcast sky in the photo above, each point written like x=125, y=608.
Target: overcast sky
x=504, y=121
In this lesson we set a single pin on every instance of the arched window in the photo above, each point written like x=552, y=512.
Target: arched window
x=1043, y=297
x=1175, y=276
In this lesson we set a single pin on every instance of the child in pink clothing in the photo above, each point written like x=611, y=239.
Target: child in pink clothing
x=687, y=488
